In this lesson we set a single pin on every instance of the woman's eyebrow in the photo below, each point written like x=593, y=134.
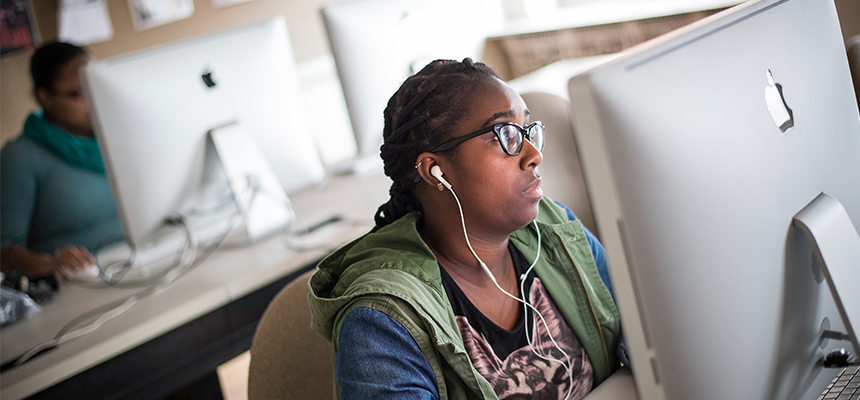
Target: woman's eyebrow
x=502, y=115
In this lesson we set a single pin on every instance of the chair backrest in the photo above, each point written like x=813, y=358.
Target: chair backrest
x=288, y=359
x=853, y=46
x=561, y=171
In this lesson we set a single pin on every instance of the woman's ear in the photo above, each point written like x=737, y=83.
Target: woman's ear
x=43, y=97
x=423, y=164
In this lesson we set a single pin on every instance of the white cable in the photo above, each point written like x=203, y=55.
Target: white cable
x=190, y=248
x=568, y=366
x=186, y=261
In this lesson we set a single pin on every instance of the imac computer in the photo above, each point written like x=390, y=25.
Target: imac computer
x=377, y=44
x=722, y=162
x=182, y=124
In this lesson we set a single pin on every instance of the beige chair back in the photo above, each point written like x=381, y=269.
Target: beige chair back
x=561, y=171
x=853, y=46
x=288, y=359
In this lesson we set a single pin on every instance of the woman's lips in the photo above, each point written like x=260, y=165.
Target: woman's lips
x=534, y=190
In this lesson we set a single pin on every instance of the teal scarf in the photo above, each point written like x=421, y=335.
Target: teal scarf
x=77, y=151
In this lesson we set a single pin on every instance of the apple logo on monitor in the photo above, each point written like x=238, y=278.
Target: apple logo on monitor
x=207, y=78
x=782, y=116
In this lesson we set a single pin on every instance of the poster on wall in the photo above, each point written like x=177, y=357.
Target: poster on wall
x=84, y=22
x=148, y=14
x=225, y=3
x=17, y=27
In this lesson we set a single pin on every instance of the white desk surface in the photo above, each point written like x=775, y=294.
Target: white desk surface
x=619, y=386
x=227, y=275
x=598, y=12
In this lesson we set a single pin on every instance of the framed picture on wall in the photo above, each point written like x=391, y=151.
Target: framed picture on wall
x=18, y=29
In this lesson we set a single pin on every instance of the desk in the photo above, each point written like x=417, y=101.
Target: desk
x=175, y=337
x=588, y=29
x=590, y=13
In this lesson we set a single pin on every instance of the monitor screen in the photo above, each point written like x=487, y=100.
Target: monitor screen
x=699, y=148
x=377, y=44
x=152, y=112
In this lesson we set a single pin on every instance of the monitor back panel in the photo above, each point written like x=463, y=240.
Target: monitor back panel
x=377, y=44
x=153, y=110
x=694, y=188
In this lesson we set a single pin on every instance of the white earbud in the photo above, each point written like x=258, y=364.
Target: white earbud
x=437, y=172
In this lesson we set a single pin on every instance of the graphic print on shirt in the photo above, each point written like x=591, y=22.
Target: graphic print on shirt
x=523, y=375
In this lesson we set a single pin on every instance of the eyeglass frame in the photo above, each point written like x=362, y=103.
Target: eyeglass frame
x=495, y=128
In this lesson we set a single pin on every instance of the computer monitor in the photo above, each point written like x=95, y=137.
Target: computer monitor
x=377, y=44
x=153, y=109
x=699, y=148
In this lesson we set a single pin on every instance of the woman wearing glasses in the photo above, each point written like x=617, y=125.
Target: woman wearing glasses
x=471, y=285
x=55, y=200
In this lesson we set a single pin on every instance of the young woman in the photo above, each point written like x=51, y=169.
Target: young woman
x=440, y=299
x=55, y=200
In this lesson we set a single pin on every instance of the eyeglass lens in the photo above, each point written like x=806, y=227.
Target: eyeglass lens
x=536, y=136
x=512, y=137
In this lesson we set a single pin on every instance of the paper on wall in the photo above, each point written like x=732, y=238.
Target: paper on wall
x=225, y=3
x=84, y=22
x=148, y=14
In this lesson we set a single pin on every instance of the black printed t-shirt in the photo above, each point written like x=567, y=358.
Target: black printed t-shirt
x=504, y=358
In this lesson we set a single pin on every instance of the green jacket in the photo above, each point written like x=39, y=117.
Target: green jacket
x=392, y=270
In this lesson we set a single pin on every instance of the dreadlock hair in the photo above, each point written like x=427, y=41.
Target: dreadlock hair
x=48, y=60
x=417, y=119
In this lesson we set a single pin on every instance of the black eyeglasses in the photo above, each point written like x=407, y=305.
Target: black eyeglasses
x=510, y=137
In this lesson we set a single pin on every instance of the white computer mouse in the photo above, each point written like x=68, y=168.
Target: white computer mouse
x=88, y=273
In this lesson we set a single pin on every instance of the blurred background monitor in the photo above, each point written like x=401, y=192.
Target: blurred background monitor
x=377, y=44
x=699, y=148
x=152, y=111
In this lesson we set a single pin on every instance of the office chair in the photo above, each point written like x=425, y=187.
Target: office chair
x=288, y=359
x=561, y=171
x=853, y=46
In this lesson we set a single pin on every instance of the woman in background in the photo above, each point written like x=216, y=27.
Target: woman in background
x=56, y=205
x=429, y=304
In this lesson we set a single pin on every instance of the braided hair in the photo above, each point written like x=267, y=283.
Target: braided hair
x=418, y=118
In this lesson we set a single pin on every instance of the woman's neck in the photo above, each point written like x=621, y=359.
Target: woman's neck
x=446, y=240
x=84, y=133
x=454, y=256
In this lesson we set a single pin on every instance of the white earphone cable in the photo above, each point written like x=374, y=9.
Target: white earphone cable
x=526, y=305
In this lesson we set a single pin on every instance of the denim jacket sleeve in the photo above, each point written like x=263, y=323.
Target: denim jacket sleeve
x=398, y=370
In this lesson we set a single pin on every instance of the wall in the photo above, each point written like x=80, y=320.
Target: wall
x=303, y=19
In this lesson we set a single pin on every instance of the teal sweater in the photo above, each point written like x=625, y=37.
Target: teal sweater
x=46, y=203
